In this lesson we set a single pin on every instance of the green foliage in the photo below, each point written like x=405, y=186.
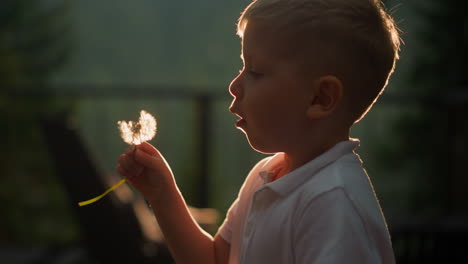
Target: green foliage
x=425, y=136
x=33, y=44
x=440, y=56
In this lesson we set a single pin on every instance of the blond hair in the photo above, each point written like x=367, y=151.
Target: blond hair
x=356, y=40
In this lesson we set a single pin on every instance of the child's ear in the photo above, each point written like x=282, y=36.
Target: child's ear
x=327, y=93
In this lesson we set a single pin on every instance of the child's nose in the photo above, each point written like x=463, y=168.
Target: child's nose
x=235, y=87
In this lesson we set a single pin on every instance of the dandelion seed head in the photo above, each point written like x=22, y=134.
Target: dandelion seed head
x=135, y=133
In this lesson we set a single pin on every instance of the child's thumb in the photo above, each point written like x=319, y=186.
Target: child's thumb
x=148, y=156
x=147, y=148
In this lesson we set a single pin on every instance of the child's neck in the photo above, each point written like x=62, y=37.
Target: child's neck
x=307, y=152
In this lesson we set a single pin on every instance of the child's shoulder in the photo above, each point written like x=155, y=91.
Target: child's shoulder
x=345, y=179
x=345, y=174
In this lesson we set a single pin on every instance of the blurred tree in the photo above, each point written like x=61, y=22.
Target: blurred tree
x=34, y=42
x=432, y=138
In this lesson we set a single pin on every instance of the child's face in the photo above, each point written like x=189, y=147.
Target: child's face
x=271, y=96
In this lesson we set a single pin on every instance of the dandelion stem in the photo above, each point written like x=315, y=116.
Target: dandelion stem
x=95, y=199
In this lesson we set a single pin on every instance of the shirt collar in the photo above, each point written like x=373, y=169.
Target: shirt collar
x=290, y=181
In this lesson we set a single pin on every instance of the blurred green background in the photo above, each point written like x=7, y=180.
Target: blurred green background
x=103, y=61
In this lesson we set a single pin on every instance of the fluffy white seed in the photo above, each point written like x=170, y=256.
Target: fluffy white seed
x=135, y=133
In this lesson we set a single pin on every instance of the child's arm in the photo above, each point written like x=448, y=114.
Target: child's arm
x=149, y=173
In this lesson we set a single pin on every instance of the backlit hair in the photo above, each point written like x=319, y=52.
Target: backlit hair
x=355, y=40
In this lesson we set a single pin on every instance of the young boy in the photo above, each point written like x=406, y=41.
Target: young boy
x=312, y=68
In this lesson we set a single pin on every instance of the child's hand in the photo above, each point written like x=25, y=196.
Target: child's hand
x=146, y=170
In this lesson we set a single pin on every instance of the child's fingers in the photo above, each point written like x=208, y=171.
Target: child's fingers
x=130, y=176
x=147, y=148
x=149, y=157
x=129, y=164
x=123, y=172
x=130, y=150
x=134, y=161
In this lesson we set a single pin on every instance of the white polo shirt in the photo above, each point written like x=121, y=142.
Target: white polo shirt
x=323, y=212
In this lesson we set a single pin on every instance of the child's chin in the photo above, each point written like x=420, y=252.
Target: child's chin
x=260, y=148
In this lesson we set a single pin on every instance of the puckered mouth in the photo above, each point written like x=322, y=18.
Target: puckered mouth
x=234, y=111
x=241, y=123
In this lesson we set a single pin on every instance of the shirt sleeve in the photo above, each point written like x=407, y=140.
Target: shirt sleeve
x=225, y=230
x=330, y=230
